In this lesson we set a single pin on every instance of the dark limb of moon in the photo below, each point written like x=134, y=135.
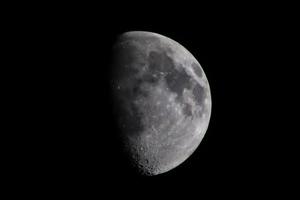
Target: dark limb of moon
x=161, y=100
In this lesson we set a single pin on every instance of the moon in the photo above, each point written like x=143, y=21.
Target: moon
x=161, y=100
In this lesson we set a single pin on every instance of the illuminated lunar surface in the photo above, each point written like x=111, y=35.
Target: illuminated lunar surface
x=161, y=98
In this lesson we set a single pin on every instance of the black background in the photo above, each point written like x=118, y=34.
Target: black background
x=71, y=144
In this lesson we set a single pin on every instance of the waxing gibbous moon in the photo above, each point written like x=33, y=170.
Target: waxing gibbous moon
x=161, y=99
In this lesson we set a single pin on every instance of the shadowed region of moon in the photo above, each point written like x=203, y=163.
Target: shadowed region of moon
x=161, y=100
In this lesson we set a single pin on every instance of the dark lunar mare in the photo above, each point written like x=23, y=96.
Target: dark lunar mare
x=177, y=81
x=199, y=93
x=176, y=78
x=197, y=70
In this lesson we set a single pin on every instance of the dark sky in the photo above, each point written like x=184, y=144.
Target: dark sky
x=74, y=134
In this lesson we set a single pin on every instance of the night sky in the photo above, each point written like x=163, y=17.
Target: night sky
x=74, y=136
